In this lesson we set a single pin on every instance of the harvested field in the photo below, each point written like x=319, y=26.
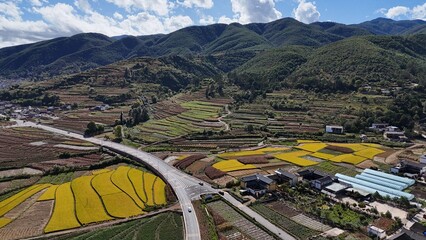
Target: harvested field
x=187, y=161
x=367, y=164
x=84, y=161
x=17, y=184
x=253, y=159
x=339, y=149
x=283, y=209
x=213, y=173
x=222, y=181
x=30, y=223
x=17, y=151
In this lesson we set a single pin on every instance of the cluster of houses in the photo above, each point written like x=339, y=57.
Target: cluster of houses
x=390, y=133
x=10, y=110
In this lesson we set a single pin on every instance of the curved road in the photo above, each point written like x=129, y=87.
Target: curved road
x=186, y=187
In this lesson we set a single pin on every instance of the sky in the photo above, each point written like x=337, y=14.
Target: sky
x=27, y=21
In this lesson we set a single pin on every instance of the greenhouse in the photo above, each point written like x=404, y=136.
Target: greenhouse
x=372, y=187
x=390, y=176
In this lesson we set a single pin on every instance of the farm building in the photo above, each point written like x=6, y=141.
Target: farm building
x=387, y=185
x=376, y=232
x=417, y=232
x=407, y=166
x=335, y=189
x=334, y=129
x=317, y=179
x=258, y=184
x=380, y=127
x=285, y=176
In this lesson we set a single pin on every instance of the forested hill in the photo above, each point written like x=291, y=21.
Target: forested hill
x=239, y=42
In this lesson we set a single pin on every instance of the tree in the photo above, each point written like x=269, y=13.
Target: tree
x=118, y=132
x=388, y=215
x=93, y=128
x=138, y=114
x=249, y=128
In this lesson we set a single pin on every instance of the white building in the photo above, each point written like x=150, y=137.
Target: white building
x=377, y=232
x=334, y=129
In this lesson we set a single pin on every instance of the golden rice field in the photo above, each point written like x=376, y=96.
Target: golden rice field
x=369, y=152
x=105, y=195
x=262, y=151
x=232, y=165
x=349, y=158
x=312, y=147
x=295, y=158
x=362, y=151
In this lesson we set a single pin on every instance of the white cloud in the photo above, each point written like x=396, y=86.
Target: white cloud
x=197, y=3
x=177, y=22
x=10, y=10
x=254, y=11
x=397, y=11
x=117, y=16
x=206, y=20
x=306, y=12
x=36, y=3
x=84, y=5
x=227, y=20
x=160, y=7
x=417, y=12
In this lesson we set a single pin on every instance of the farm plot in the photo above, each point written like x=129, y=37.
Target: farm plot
x=238, y=221
x=87, y=199
x=294, y=228
x=197, y=117
x=296, y=158
x=232, y=165
x=17, y=148
x=167, y=225
x=77, y=120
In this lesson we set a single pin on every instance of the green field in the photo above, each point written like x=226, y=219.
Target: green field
x=162, y=226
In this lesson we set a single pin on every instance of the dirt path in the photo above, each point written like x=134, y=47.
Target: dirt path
x=228, y=112
x=393, y=158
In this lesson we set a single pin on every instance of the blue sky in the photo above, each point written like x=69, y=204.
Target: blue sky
x=26, y=21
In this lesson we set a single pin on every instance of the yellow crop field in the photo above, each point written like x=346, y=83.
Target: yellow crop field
x=63, y=216
x=354, y=146
x=88, y=205
x=96, y=172
x=181, y=157
x=148, y=182
x=312, y=147
x=349, y=158
x=136, y=177
x=232, y=165
x=120, y=178
x=230, y=155
x=4, y=221
x=321, y=155
x=273, y=149
x=369, y=152
x=295, y=158
x=159, y=191
x=13, y=201
x=117, y=203
x=49, y=194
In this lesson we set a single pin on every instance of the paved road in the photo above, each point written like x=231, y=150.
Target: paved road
x=186, y=187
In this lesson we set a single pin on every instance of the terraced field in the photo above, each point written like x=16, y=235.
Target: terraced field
x=196, y=117
x=103, y=196
x=24, y=146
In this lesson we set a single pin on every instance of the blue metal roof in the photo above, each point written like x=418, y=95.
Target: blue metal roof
x=372, y=187
x=379, y=182
x=390, y=176
x=404, y=185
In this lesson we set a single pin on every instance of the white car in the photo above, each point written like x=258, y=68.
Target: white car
x=189, y=209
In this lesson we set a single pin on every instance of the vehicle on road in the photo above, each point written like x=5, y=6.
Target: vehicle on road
x=221, y=193
x=189, y=209
x=202, y=184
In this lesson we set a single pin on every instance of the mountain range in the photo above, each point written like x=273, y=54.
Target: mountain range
x=280, y=49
